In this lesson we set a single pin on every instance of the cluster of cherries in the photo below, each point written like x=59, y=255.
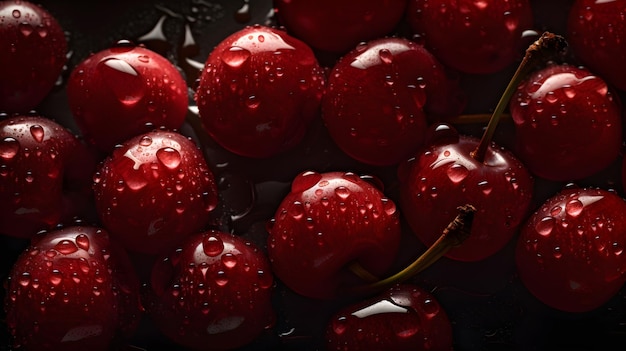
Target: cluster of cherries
x=130, y=215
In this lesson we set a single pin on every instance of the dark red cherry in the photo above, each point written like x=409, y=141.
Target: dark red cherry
x=380, y=97
x=570, y=253
x=405, y=317
x=568, y=123
x=34, y=50
x=596, y=32
x=472, y=36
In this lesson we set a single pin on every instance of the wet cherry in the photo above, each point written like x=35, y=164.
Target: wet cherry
x=154, y=190
x=405, y=317
x=570, y=251
x=214, y=293
x=72, y=289
x=114, y=93
x=382, y=95
x=34, y=50
x=338, y=26
x=472, y=36
x=41, y=165
x=568, y=123
x=259, y=91
x=596, y=31
x=328, y=222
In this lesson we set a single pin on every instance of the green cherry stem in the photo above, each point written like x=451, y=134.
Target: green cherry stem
x=537, y=53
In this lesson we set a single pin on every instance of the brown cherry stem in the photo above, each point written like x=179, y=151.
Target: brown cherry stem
x=453, y=235
x=537, y=53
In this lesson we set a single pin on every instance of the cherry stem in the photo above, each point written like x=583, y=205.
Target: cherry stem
x=537, y=53
x=452, y=236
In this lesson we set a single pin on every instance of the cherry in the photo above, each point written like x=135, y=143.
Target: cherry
x=380, y=97
x=569, y=253
x=154, y=190
x=596, y=31
x=338, y=26
x=123, y=91
x=72, y=289
x=477, y=37
x=259, y=91
x=568, y=124
x=327, y=223
x=404, y=317
x=42, y=166
x=34, y=50
x=214, y=293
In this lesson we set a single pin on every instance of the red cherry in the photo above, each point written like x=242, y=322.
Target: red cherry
x=41, y=162
x=259, y=91
x=568, y=123
x=570, y=252
x=72, y=289
x=154, y=190
x=326, y=223
x=378, y=96
x=34, y=49
x=472, y=36
x=596, y=32
x=214, y=293
x=405, y=317
x=445, y=175
x=116, y=92
x=338, y=26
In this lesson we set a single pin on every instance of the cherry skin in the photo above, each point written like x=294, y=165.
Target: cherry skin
x=570, y=251
x=34, y=49
x=380, y=97
x=41, y=165
x=259, y=91
x=214, y=293
x=154, y=190
x=477, y=37
x=404, y=317
x=596, y=32
x=72, y=289
x=444, y=175
x=338, y=26
x=113, y=94
x=327, y=222
x=568, y=124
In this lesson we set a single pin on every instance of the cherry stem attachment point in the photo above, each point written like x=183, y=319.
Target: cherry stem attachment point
x=452, y=236
x=542, y=50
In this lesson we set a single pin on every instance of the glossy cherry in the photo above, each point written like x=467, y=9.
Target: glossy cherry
x=214, y=293
x=154, y=190
x=568, y=123
x=444, y=175
x=259, y=91
x=405, y=317
x=381, y=96
x=596, y=31
x=123, y=91
x=41, y=165
x=570, y=253
x=34, y=50
x=477, y=37
x=338, y=26
x=72, y=289
x=326, y=223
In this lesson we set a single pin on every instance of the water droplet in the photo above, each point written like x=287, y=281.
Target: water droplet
x=221, y=279
x=342, y=192
x=296, y=210
x=26, y=28
x=305, y=181
x=265, y=279
x=235, y=56
x=556, y=210
x=557, y=252
x=169, y=157
x=145, y=140
x=408, y=332
x=574, y=207
x=229, y=260
x=253, y=102
x=485, y=186
x=37, y=132
x=511, y=22
x=16, y=13
x=212, y=245
x=340, y=325
x=9, y=147
x=457, y=173
x=24, y=279
x=66, y=247
x=388, y=206
x=123, y=80
x=82, y=241
x=386, y=56
x=55, y=277
x=545, y=225
x=143, y=58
